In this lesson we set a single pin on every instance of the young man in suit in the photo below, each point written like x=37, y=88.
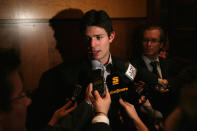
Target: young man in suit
x=98, y=33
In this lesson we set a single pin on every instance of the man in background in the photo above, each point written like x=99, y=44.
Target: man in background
x=152, y=41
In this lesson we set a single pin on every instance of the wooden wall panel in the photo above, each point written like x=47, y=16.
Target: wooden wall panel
x=45, y=9
x=38, y=53
x=125, y=33
x=36, y=45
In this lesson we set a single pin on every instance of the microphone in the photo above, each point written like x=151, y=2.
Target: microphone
x=116, y=86
x=130, y=74
x=137, y=74
x=127, y=69
x=76, y=93
x=98, y=77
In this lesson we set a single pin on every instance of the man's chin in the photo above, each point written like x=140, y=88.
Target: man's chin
x=95, y=58
x=148, y=53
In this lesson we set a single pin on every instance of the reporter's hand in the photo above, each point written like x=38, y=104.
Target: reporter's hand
x=145, y=105
x=61, y=112
x=163, y=81
x=89, y=97
x=139, y=86
x=101, y=104
x=144, y=101
x=162, y=89
x=130, y=109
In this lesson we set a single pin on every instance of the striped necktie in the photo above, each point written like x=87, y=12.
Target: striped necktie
x=154, y=65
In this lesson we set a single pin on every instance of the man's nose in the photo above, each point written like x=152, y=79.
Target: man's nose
x=92, y=43
x=149, y=43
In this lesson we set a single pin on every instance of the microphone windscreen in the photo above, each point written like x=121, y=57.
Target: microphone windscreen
x=130, y=71
x=96, y=65
x=127, y=69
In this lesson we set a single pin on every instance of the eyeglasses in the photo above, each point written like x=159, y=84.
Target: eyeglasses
x=151, y=40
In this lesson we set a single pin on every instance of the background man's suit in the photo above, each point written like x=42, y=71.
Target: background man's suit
x=163, y=102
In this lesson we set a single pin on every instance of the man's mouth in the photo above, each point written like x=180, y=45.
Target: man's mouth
x=94, y=52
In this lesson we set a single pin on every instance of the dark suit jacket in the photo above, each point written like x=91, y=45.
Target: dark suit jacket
x=164, y=102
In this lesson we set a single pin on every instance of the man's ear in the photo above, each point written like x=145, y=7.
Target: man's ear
x=112, y=36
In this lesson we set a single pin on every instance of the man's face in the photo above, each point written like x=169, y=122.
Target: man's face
x=99, y=43
x=151, y=44
x=15, y=118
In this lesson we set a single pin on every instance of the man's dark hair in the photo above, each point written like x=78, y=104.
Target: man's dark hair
x=96, y=18
x=9, y=61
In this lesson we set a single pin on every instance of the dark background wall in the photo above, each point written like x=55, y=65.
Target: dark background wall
x=179, y=19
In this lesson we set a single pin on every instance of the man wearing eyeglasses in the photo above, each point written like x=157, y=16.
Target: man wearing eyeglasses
x=151, y=43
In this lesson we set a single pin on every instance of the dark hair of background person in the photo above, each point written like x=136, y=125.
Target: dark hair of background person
x=9, y=61
x=139, y=36
x=96, y=18
x=66, y=28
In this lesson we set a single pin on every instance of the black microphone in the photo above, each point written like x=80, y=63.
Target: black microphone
x=119, y=88
x=98, y=77
x=127, y=69
x=138, y=74
x=76, y=93
x=116, y=86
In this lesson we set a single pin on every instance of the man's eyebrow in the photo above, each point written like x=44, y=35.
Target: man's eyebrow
x=95, y=35
x=99, y=35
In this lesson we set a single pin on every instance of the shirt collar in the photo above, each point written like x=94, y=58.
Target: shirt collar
x=147, y=60
x=109, y=61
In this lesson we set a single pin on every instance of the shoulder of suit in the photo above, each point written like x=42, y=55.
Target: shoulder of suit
x=63, y=67
x=167, y=60
x=118, y=60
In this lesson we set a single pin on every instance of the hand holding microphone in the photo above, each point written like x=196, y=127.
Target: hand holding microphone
x=100, y=104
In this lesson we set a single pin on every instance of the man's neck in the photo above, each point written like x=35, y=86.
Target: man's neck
x=152, y=58
x=106, y=61
x=148, y=59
